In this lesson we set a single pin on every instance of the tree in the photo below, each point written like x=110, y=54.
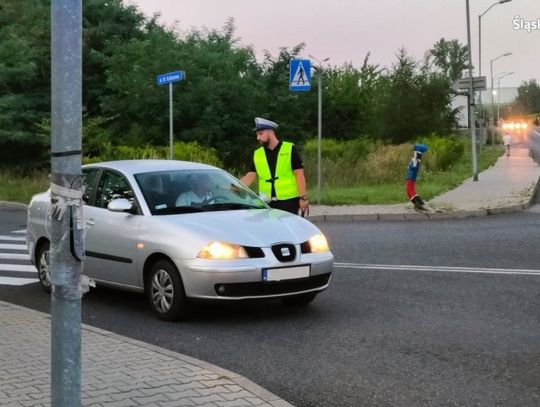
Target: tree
x=449, y=58
x=528, y=99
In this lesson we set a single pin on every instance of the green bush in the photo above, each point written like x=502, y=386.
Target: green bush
x=362, y=162
x=191, y=151
x=443, y=152
x=338, y=150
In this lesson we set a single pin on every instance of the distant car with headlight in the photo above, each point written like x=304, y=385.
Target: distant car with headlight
x=152, y=227
x=517, y=127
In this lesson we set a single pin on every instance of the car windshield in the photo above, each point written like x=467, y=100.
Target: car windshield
x=189, y=191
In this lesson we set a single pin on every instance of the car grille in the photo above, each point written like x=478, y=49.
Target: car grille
x=260, y=289
x=284, y=252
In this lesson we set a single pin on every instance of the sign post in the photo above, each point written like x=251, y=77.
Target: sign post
x=300, y=81
x=170, y=78
x=67, y=229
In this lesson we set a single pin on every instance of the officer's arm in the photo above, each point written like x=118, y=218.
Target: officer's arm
x=301, y=182
x=248, y=179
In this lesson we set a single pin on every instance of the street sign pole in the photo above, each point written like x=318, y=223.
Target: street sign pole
x=471, y=98
x=171, y=141
x=170, y=78
x=319, y=137
x=67, y=244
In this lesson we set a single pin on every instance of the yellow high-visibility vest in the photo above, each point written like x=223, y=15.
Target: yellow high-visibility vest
x=284, y=179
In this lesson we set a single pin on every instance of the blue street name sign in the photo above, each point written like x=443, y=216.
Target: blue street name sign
x=170, y=77
x=300, y=75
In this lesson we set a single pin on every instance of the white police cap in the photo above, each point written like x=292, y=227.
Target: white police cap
x=263, y=124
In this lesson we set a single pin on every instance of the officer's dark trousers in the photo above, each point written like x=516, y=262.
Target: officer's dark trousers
x=288, y=205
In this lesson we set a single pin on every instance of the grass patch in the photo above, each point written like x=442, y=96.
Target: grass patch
x=346, y=184
x=429, y=183
x=16, y=186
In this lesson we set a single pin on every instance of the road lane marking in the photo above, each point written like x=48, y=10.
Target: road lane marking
x=12, y=238
x=13, y=247
x=19, y=231
x=14, y=256
x=25, y=268
x=17, y=281
x=402, y=267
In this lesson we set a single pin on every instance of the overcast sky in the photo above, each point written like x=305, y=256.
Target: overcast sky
x=346, y=30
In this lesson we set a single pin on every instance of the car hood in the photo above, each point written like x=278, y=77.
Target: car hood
x=253, y=227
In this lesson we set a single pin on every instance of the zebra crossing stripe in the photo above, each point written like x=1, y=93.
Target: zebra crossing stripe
x=17, y=281
x=12, y=238
x=13, y=247
x=14, y=256
x=25, y=268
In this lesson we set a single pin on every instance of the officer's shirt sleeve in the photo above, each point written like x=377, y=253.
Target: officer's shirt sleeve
x=296, y=160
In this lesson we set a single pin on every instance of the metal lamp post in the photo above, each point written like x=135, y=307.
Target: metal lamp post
x=499, y=77
x=480, y=42
x=492, y=102
x=319, y=125
x=472, y=121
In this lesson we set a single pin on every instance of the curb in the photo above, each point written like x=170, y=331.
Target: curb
x=7, y=204
x=239, y=380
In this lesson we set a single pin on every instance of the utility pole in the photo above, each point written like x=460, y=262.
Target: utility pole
x=319, y=126
x=67, y=245
x=472, y=120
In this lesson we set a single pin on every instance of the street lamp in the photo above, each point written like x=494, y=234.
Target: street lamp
x=480, y=42
x=492, y=111
x=319, y=126
x=499, y=77
x=472, y=121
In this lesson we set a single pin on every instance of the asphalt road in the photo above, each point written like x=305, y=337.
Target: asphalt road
x=380, y=336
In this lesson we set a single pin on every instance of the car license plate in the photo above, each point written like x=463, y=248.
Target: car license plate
x=286, y=273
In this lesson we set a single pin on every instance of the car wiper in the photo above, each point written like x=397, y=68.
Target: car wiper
x=175, y=210
x=230, y=205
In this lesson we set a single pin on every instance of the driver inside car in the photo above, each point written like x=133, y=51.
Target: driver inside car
x=200, y=193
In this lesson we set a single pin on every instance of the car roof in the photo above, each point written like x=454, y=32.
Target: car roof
x=141, y=166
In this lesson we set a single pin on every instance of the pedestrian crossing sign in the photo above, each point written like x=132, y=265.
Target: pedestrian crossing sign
x=300, y=75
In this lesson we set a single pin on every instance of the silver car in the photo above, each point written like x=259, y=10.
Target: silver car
x=179, y=231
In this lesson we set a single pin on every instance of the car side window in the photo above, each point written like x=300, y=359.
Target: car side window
x=89, y=176
x=112, y=186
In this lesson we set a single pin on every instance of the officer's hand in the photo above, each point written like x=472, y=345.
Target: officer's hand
x=304, y=206
x=238, y=191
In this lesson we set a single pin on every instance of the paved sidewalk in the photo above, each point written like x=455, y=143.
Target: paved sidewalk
x=116, y=371
x=509, y=185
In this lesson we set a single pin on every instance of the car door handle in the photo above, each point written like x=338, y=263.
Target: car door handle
x=89, y=222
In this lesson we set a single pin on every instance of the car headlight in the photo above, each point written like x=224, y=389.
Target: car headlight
x=318, y=244
x=222, y=250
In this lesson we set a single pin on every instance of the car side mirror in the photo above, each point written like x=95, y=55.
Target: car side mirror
x=120, y=205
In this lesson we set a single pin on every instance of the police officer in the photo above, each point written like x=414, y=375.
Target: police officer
x=279, y=168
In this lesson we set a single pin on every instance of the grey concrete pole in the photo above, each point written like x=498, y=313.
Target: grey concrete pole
x=491, y=108
x=471, y=98
x=67, y=245
x=482, y=114
x=319, y=137
x=171, y=140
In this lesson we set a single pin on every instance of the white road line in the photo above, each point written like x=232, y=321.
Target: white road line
x=444, y=269
x=13, y=238
x=16, y=281
x=13, y=247
x=19, y=231
x=14, y=256
x=25, y=268
x=534, y=131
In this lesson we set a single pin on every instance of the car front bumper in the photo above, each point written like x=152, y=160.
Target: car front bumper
x=243, y=279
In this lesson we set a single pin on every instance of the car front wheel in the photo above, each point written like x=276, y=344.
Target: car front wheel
x=43, y=264
x=166, y=292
